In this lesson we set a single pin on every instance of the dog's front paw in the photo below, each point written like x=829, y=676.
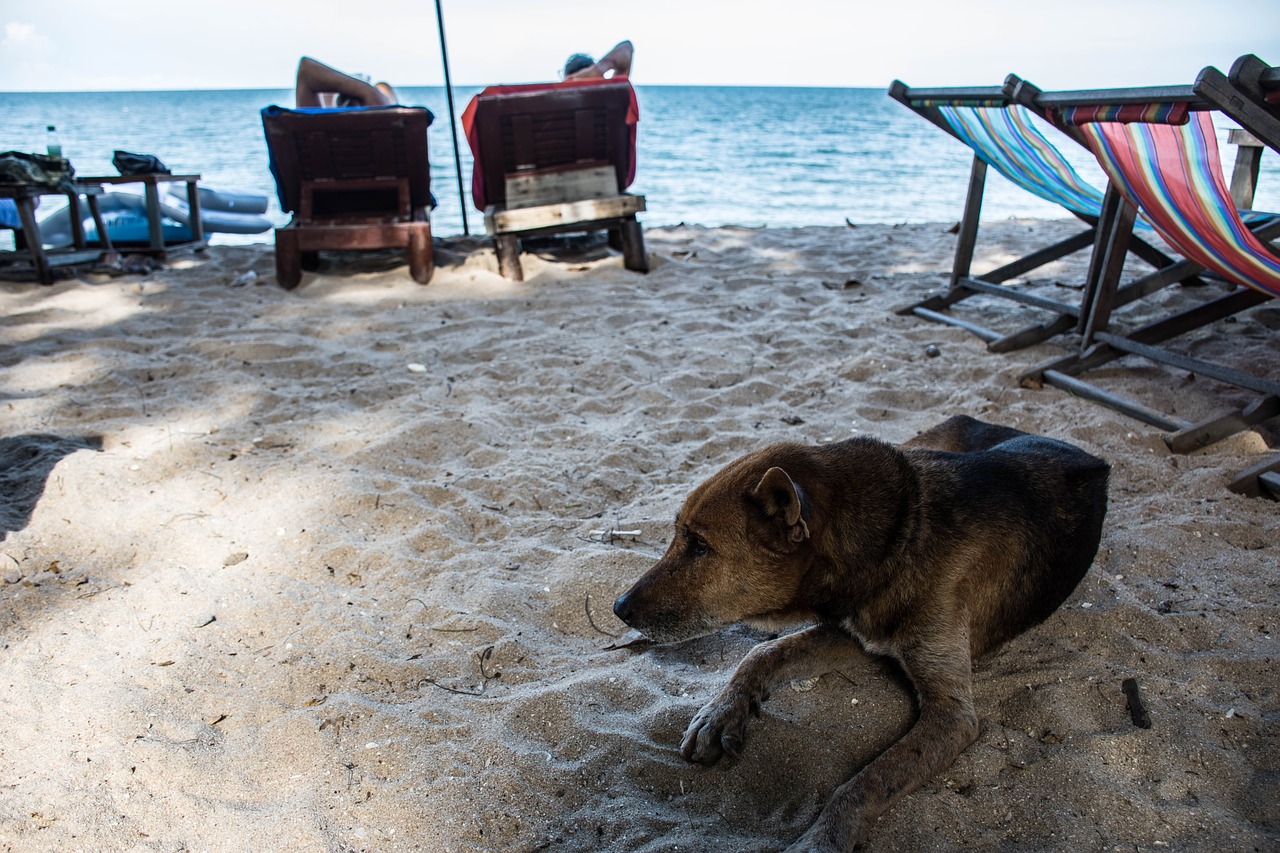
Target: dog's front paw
x=720, y=728
x=831, y=836
x=812, y=845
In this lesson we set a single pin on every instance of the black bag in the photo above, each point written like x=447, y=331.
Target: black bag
x=41, y=170
x=138, y=164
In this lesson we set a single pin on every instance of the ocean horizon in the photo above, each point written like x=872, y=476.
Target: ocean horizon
x=706, y=155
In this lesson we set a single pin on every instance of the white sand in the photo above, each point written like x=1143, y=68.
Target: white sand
x=259, y=616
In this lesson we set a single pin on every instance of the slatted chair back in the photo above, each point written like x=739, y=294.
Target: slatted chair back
x=518, y=130
x=350, y=163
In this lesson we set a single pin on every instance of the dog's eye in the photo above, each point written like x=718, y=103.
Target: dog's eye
x=698, y=546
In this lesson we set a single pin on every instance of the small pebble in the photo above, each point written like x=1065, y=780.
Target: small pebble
x=932, y=351
x=414, y=367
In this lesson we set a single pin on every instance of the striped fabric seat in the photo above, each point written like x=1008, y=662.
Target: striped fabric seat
x=1173, y=174
x=1007, y=140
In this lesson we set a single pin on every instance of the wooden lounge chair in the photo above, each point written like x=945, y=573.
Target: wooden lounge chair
x=555, y=158
x=1003, y=136
x=1159, y=149
x=353, y=178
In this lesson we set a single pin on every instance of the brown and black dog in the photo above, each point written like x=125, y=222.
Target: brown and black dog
x=932, y=553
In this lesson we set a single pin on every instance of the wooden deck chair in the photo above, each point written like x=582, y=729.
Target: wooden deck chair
x=355, y=178
x=553, y=158
x=1257, y=81
x=1004, y=136
x=1159, y=148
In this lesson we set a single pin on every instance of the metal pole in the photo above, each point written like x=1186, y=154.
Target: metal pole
x=453, y=130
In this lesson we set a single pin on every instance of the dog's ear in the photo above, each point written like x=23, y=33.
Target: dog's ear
x=783, y=499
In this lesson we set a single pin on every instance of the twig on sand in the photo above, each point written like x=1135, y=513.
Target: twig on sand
x=483, y=658
x=592, y=620
x=441, y=630
x=1133, y=700
x=611, y=535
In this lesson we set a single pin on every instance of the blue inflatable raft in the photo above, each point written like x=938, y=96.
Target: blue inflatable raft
x=125, y=217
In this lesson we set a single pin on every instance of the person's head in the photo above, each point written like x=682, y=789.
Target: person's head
x=577, y=62
x=342, y=99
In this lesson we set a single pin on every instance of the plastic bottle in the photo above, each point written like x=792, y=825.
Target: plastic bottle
x=55, y=147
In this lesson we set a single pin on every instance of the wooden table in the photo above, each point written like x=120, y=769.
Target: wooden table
x=155, y=230
x=43, y=260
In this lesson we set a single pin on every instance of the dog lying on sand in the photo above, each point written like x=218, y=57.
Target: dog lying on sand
x=932, y=553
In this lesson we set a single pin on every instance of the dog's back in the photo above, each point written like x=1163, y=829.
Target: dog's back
x=1033, y=508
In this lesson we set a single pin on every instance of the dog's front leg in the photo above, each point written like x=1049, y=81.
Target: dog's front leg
x=946, y=726
x=720, y=727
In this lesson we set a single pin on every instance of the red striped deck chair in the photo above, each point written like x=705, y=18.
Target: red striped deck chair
x=1006, y=137
x=1162, y=155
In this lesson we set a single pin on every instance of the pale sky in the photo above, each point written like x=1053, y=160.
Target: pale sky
x=73, y=45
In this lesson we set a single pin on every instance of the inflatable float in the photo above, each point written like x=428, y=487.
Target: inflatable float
x=125, y=217
x=228, y=201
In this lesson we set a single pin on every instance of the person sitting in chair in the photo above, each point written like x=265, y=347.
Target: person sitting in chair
x=319, y=85
x=615, y=63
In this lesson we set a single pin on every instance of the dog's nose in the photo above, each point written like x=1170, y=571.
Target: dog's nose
x=622, y=608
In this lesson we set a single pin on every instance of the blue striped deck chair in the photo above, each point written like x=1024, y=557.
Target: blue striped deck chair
x=1159, y=148
x=1004, y=137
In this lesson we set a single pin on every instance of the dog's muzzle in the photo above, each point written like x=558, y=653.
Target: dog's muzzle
x=624, y=609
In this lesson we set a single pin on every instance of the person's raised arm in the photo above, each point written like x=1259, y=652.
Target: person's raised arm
x=316, y=81
x=617, y=60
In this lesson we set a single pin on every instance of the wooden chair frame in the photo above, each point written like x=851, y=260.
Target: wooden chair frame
x=963, y=284
x=1098, y=346
x=575, y=147
x=353, y=179
x=42, y=261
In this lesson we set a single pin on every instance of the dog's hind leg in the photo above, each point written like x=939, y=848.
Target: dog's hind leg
x=946, y=726
x=962, y=434
x=720, y=727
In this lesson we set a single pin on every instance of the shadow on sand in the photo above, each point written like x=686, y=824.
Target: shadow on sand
x=25, y=463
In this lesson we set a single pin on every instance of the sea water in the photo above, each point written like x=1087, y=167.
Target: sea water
x=705, y=155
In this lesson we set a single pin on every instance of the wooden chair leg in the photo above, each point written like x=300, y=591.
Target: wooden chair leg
x=104, y=238
x=1258, y=480
x=288, y=258
x=421, y=257
x=633, y=254
x=508, y=250
x=615, y=239
x=31, y=230
x=969, y=224
x=76, y=217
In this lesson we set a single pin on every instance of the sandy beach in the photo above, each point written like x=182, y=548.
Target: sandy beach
x=331, y=569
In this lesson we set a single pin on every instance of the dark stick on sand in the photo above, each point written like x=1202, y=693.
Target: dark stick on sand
x=1133, y=700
